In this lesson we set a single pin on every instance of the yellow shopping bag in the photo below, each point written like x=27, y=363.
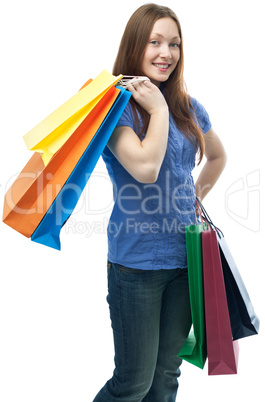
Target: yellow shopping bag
x=52, y=132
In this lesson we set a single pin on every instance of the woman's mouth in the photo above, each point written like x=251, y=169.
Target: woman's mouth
x=161, y=66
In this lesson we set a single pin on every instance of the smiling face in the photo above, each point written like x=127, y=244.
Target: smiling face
x=162, y=52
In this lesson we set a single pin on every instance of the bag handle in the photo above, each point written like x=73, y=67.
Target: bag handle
x=206, y=218
x=202, y=218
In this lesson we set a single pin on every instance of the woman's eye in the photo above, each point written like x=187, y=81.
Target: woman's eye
x=156, y=43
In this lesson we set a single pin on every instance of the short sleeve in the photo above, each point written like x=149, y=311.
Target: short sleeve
x=202, y=116
x=126, y=118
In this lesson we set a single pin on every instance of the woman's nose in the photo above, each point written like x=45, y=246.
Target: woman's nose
x=165, y=52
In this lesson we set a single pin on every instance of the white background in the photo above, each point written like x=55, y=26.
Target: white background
x=55, y=336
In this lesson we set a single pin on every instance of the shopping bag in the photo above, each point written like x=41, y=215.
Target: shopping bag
x=33, y=192
x=194, y=349
x=52, y=132
x=48, y=231
x=244, y=320
x=222, y=352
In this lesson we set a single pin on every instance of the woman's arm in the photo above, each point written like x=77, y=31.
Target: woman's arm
x=216, y=161
x=143, y=159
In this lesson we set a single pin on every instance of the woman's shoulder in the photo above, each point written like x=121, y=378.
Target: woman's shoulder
x=201, y=114
x=127, y=118
x=131, y=118
x=197, y=106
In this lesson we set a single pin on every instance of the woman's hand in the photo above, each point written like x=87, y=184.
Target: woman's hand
x=148, y=96
x=143, y=159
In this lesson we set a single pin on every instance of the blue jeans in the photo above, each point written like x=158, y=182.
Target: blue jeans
x=150, y=315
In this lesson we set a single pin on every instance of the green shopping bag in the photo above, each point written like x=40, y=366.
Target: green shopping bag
x=194, y=349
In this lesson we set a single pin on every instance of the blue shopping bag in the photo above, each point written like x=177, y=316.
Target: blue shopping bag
x=48, y=231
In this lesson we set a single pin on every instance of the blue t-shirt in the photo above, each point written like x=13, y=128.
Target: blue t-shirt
x=146, y=229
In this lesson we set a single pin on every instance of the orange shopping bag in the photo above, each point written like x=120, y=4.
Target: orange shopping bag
x=28, y=199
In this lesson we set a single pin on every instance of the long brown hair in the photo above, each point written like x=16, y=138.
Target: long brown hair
x=129, y=62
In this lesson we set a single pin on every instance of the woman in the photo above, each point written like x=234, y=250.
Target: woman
x=149, y=158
